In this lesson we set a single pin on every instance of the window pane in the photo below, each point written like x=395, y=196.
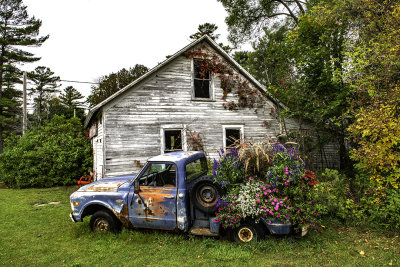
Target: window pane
x=195, y=169
x=173, y=140
x=202, y=88
x=198, y=68
x=159, y=175
x=232, y=135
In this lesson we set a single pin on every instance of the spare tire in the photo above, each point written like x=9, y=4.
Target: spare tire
x=204, y=193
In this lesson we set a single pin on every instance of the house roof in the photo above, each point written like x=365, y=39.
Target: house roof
x=204, y=38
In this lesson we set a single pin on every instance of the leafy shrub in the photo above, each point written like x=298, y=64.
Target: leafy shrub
x=54, y=154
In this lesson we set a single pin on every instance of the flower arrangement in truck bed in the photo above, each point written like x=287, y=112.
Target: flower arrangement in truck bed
x=265, y=181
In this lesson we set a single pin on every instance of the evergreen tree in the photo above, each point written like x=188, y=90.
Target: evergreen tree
x=70, y=97
x=45, y=87
x=209, y=29
x=17, y=30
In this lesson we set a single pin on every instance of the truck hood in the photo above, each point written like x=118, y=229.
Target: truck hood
x=107, y=184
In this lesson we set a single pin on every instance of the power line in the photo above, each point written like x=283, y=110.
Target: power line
x=77, y=82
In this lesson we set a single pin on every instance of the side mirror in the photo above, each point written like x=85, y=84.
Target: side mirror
x=137, y=187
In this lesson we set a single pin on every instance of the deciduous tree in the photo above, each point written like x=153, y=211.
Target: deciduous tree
x=113, y=82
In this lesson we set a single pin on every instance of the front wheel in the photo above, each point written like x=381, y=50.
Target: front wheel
x=103, y=222
x=247, y=232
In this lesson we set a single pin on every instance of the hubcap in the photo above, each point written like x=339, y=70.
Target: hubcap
x=245, y=234
x=207, y=195
x=101, y=225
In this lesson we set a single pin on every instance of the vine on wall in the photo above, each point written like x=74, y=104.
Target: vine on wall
x=231, y=82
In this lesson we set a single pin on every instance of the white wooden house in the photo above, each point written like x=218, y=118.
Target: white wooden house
x=170, y=108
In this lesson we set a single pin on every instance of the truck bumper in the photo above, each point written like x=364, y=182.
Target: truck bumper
x=73, y=218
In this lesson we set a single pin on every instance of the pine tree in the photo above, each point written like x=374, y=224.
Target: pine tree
x=70, y=97
x=17, y=30
x=45, y=87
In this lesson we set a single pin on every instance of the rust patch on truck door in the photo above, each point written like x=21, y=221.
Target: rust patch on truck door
x=154, y=207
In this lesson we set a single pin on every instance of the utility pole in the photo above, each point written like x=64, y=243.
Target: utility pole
x=24, y=111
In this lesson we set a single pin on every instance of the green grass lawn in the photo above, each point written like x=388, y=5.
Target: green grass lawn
x=45, y=236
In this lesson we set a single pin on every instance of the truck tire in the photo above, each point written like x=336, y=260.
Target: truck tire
x=204, y=194
x=247, y=232
x=104, y=222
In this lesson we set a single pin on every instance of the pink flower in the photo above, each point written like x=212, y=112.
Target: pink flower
x=250, y=178
x=285, y=197
x=258, y=195
x=276, y=207
x=273, y=203
x=275, y=200
x=281, y=202
x=265, y=193
x=287, y=170
x=286, y=184
x=258, y=200
x=269, y=191
x=287, y=180
x=288, y=207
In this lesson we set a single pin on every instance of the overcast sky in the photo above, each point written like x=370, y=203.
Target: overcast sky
x=91, y=38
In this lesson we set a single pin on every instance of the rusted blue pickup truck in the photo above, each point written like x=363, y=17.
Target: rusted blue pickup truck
x=172, y=192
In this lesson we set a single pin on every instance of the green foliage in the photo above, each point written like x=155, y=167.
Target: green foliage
x=246, y=18
x=358, y=201
x=17, y=31
x=70, y=97
x=54, y=154
x=377, y=128
x=45, y=85
x=228, y=170
x=209, y=29
x=110, y=84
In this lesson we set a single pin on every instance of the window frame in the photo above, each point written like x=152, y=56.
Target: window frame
x=210, y=85
x=232, y=127
x=173, y=127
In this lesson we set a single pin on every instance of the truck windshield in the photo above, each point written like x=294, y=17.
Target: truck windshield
x=196, y=168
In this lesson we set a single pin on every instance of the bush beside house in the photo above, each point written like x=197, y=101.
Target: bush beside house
x=54, y=154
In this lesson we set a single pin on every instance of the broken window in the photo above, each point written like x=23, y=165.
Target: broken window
x=172, y=140
x=202, y=79
x=232, y=134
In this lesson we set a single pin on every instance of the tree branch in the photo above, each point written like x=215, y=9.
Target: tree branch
x=291, y=14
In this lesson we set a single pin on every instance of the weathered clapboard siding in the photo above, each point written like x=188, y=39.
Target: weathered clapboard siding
x=133, y=121
x=98, y=150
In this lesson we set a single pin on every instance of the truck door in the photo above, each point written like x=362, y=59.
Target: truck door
x=154, y=206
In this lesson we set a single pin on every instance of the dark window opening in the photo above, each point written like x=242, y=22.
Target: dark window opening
x=173, y=140
x=232, y=136
x=202, y=80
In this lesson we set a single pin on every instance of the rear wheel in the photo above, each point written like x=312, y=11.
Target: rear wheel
x=104, y=222
x=247, y=232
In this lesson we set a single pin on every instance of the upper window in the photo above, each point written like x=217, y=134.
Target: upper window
x=202, y=79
